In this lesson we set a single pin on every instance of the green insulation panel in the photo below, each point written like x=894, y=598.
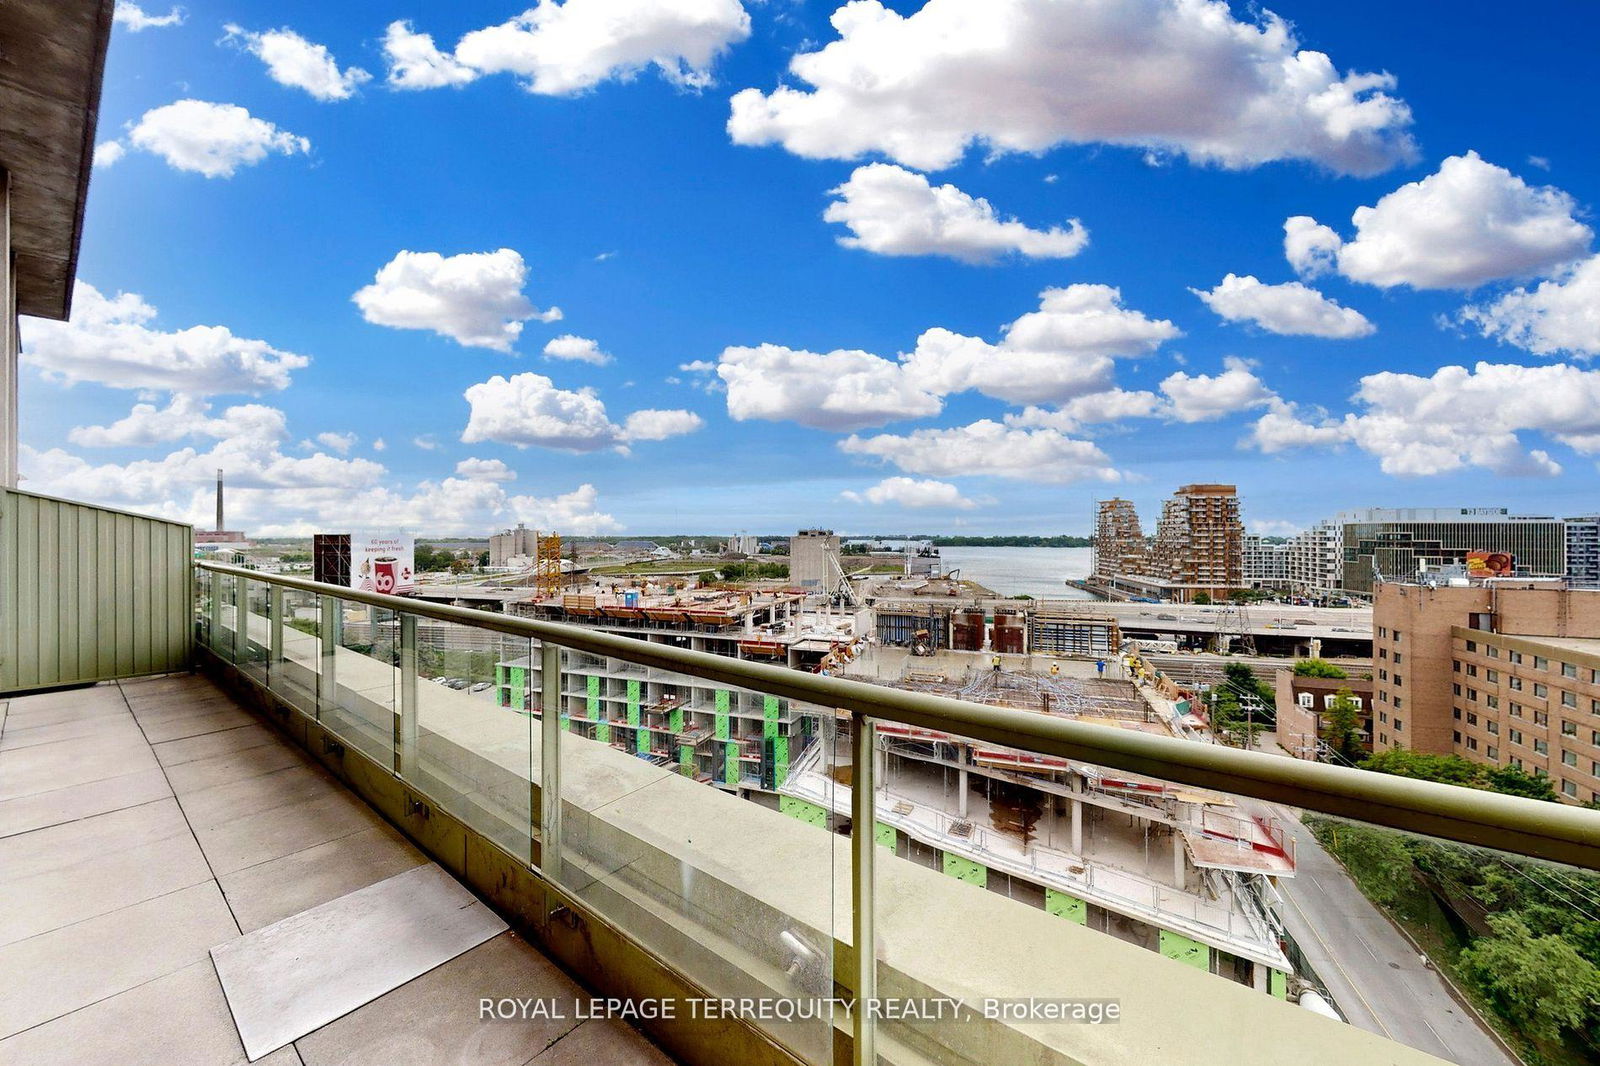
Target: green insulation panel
x=769, y=716
x=730, y=764
x=686, y=759
x=966, y=870
x=675, y=720
x=602, y=732
x=592, y=687
x=722, y=726
x=1277, y=983
x=809, y=813
x=722, y=700
x=780, y=760
x=566, y=723
x=885, y=835
x=633, y=699
x=641, y=740
x=519, y=688
x=1062, y=905
x=1190, y=952
x=90, y=594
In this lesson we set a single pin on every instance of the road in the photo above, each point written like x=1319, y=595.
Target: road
x=1375, y=977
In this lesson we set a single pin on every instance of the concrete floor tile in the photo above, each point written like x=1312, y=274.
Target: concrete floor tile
x=58, y=972
x=179, y=1018
x=163, y=708
x=99, y=885
x=177, y=728
x=261, y=792
x=28, y=771
x=271, y=891
x=86, y=839
x=27, y=813
x=177, y=752
x=266, y=835
x=106, y=723
x=434, y=1018
x=233, y=766
x=606, y=1040
x=295, y=976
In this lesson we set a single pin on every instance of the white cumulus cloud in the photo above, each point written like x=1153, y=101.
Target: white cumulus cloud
x=1561, y=315
x=1454, y=419
x=1063, y=350
x=108, y=152
x=109, y=341
x=1290, y=309
x=415, y=62
x=475, y=298
x=1207, y=397
x=912, y=492
x=893, y=211
x=184, y=416
x=211, y=139
x=338, y=442
x=581, y=349
x=298, y=63
x=988, y=448
x=559, y=49
x=1171, y=76
x=485, y=470
x=1468, y=223
x=529, y=410
x=134, y=18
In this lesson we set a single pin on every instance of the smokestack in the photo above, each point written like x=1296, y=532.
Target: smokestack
x=219, y=500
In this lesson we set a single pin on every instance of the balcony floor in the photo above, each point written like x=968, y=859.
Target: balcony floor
x=144, y=822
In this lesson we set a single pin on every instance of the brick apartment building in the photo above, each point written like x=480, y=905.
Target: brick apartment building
x=1504, y=672
x=1303, y=702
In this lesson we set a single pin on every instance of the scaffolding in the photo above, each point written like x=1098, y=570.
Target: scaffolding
x=547, y=576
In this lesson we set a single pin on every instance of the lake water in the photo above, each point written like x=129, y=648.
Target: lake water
x=1037, y=572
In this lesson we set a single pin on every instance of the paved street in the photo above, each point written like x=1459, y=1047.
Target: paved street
x=1375, y=977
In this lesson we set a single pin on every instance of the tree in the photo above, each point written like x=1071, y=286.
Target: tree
x=1377, y=859
x=1538, y=983
x=1318, y=668
x=1341, y=725
x=1448, y=769
x=1514, y=782
x=1202, y=598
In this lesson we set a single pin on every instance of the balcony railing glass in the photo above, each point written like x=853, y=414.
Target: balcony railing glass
x=747, y=824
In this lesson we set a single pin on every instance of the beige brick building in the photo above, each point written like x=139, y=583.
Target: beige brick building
x=1505, y=673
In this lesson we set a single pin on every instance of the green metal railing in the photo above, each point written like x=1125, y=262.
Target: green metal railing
x=1521, y=826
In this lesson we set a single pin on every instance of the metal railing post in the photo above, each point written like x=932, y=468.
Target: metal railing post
x=274, y=635
x=550, y=761
x=241, y=620
x=405, y=722
x=863, y=816
x=328, y=632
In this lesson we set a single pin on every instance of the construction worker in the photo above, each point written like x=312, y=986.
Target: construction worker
x=995, y=662
x=1100, y=666
x=1055, y=669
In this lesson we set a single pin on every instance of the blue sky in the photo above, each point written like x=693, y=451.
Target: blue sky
x=669, y=238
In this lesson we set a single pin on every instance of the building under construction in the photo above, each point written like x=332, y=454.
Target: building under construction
x=1008, y=627
x=1198, y=548
x=1119, y=544
x=1183, y=871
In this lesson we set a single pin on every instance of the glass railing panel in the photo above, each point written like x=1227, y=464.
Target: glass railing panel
x=1032, y=888
x=253, y=647
x=474, y=729
x=678, y=826
x=359, y=697
x=297, y=661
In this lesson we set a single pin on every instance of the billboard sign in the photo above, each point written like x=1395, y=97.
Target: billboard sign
x=1482, y=564
x=383, y=562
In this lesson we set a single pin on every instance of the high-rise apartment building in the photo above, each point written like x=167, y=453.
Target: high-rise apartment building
x=1199, y=545
x=1266, y=564
x=1316, y=559
x=1504, y=672
x=1119, y=544
x=1583, y=552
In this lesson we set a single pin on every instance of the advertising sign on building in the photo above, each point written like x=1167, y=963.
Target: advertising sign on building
x=383, y=562
x=1489, y=564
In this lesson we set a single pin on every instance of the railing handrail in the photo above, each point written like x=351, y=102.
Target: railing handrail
x=1537, y=828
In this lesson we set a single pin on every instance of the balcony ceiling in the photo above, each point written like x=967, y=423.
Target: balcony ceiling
x=52, y=56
